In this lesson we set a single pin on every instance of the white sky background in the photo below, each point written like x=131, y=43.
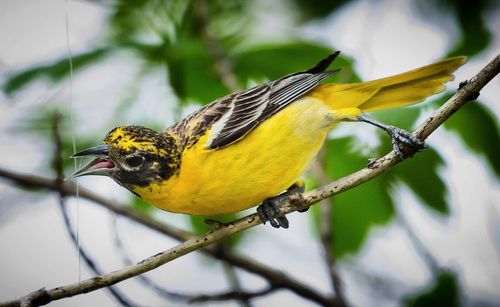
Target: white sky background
x=384, y=39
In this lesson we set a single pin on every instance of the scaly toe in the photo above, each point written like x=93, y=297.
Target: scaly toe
x=402, y=137
x=397, y=151
x=270, y=212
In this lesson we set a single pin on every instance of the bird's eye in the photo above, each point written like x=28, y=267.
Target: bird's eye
x=134, y=161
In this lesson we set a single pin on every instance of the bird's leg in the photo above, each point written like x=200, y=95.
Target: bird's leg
x=270, y=210
x=398, y=136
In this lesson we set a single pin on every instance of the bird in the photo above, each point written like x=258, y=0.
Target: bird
x=250, y=148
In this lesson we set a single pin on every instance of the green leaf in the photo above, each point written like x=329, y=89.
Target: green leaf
x=357, y=210
x=147, y=18
x=420, y=174
x=127, y=18
x=443, y=292
x=198, y=225
x=275, y=61
x=318, y=8
x=354, y=214
x=475, y=33
x=402, y=118
x=193, y=76
x=479, y=130
x=55, y=71
x=310, y=182
x=141, y=205
x=191, y=71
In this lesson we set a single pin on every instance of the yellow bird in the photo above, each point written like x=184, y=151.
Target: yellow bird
x=245, y=149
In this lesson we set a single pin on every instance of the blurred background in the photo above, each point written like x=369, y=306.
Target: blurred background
x=427, y=233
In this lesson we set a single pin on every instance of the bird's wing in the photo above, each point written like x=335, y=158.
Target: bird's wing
x=248, y=109
x=232, y=117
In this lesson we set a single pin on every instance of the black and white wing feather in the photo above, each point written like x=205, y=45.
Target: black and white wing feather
x=234, y=116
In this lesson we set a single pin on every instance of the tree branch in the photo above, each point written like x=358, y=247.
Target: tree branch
x=235, y=285
x=295, y=202
x=222, y=65
x=224, y=69
x=467, y=92
x=57, y=165
x=273, y=276
x=146, y=281
x=231, y=295
x=418, y=245
x=326, y=236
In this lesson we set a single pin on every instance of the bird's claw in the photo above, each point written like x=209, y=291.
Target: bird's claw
x=402, y=137
x=270, y=212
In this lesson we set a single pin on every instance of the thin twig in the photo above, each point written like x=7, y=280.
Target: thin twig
x=231, y=295
x=237, y=294
x=295, y=202
x=222, y=65
x=58, y=169
x=273, y=276
x=224, y=70
x=235, y=284
x=380, y=287
x=417, y=243
x=148, y=282
x=326, y=236
x=468, y=92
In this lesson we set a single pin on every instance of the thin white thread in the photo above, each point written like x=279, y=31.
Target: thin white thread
x=72, y=132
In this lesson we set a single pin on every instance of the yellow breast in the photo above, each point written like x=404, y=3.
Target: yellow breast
x=263, y=164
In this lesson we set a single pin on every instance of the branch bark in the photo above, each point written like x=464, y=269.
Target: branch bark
x=326, y=236
x=295, y=202
x=231, y=295
x=274, y=277
x=57, y=164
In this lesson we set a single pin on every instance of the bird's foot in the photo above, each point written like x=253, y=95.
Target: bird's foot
x=270, y=210
x=401, y=138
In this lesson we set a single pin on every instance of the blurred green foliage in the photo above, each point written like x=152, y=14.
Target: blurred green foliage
x=180, y=46
x=173, y=35
x=354, y=214
x=444, y=291
x=190, y=66
x=141, y=206
x=318, y=8
x=478, y=128
x=267, y=62
x=474, y=34
x=40, y=125
x=421, y=175
x=55, y=72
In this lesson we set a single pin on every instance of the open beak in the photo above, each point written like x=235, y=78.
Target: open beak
x=101, y=165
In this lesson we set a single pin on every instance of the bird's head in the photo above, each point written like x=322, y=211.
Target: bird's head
x=133, y=156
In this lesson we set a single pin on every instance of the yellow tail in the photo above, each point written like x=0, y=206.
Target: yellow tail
x=404, y=89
